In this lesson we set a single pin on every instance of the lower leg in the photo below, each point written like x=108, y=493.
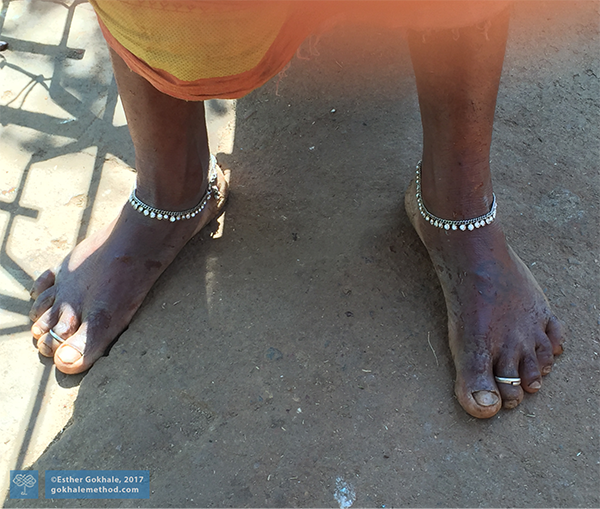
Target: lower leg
x=458, y=74
x=499, y=322
x=170, y=140
x=94, y=293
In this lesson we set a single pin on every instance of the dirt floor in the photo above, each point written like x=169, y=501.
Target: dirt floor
x=300, y=359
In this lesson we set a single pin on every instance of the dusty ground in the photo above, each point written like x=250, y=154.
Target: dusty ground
x=305, y=347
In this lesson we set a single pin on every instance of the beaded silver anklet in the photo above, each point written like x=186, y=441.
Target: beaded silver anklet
x=448, y=224
x=168, y=215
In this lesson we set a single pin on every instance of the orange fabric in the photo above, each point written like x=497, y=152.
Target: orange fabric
x=222, y=87
x=193, y=39
x=199, y=50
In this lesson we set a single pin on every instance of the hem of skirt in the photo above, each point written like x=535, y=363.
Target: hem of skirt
x=223, y=87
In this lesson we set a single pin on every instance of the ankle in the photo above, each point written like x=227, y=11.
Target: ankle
x=456, y=191
x=176, y=190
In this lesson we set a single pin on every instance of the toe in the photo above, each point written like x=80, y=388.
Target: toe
x=545, y=356
x=67, y=324
x=507, y=366
x=512, y=395
x=42, y=303
x=69, y=357
x=46, y=345
x=554, y=331
x=63, y=325
x=485, y=398
x=477, y=393
x=482, y=403
x=42, y=283
x=45, y=322
x=531, y=377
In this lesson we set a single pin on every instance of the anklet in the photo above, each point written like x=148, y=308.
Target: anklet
x=448, y=224
x=168, y=215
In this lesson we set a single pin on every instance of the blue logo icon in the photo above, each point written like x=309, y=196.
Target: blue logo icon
x=23, y=484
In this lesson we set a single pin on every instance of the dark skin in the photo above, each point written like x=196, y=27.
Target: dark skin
x=499, y=321
x=92, y=296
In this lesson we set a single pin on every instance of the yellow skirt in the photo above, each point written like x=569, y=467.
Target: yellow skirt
x=198, y=50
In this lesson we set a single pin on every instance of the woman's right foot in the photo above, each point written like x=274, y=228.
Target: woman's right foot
x=94, y=293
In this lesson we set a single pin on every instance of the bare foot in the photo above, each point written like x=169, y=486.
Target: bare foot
x=94, y=293
x=499, y=321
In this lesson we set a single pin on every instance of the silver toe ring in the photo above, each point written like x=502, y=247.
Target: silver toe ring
x=56, y=336
x=507, y=380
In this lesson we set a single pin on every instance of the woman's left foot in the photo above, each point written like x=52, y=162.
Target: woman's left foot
x=499, y=321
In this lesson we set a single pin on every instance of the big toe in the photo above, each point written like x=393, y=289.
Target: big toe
x=479, y=396
x=485, y=398
x=69, y=359
x=78, y=353
x=69, y=356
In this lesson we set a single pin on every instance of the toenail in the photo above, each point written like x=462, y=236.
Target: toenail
x=510, y=403
x=44, y=349
x=36, y=331
x=486, y=398
x=546, y=370
x=68, y=354
x=535, y=385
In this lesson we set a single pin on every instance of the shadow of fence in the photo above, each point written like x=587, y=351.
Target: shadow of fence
x=20, y=63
